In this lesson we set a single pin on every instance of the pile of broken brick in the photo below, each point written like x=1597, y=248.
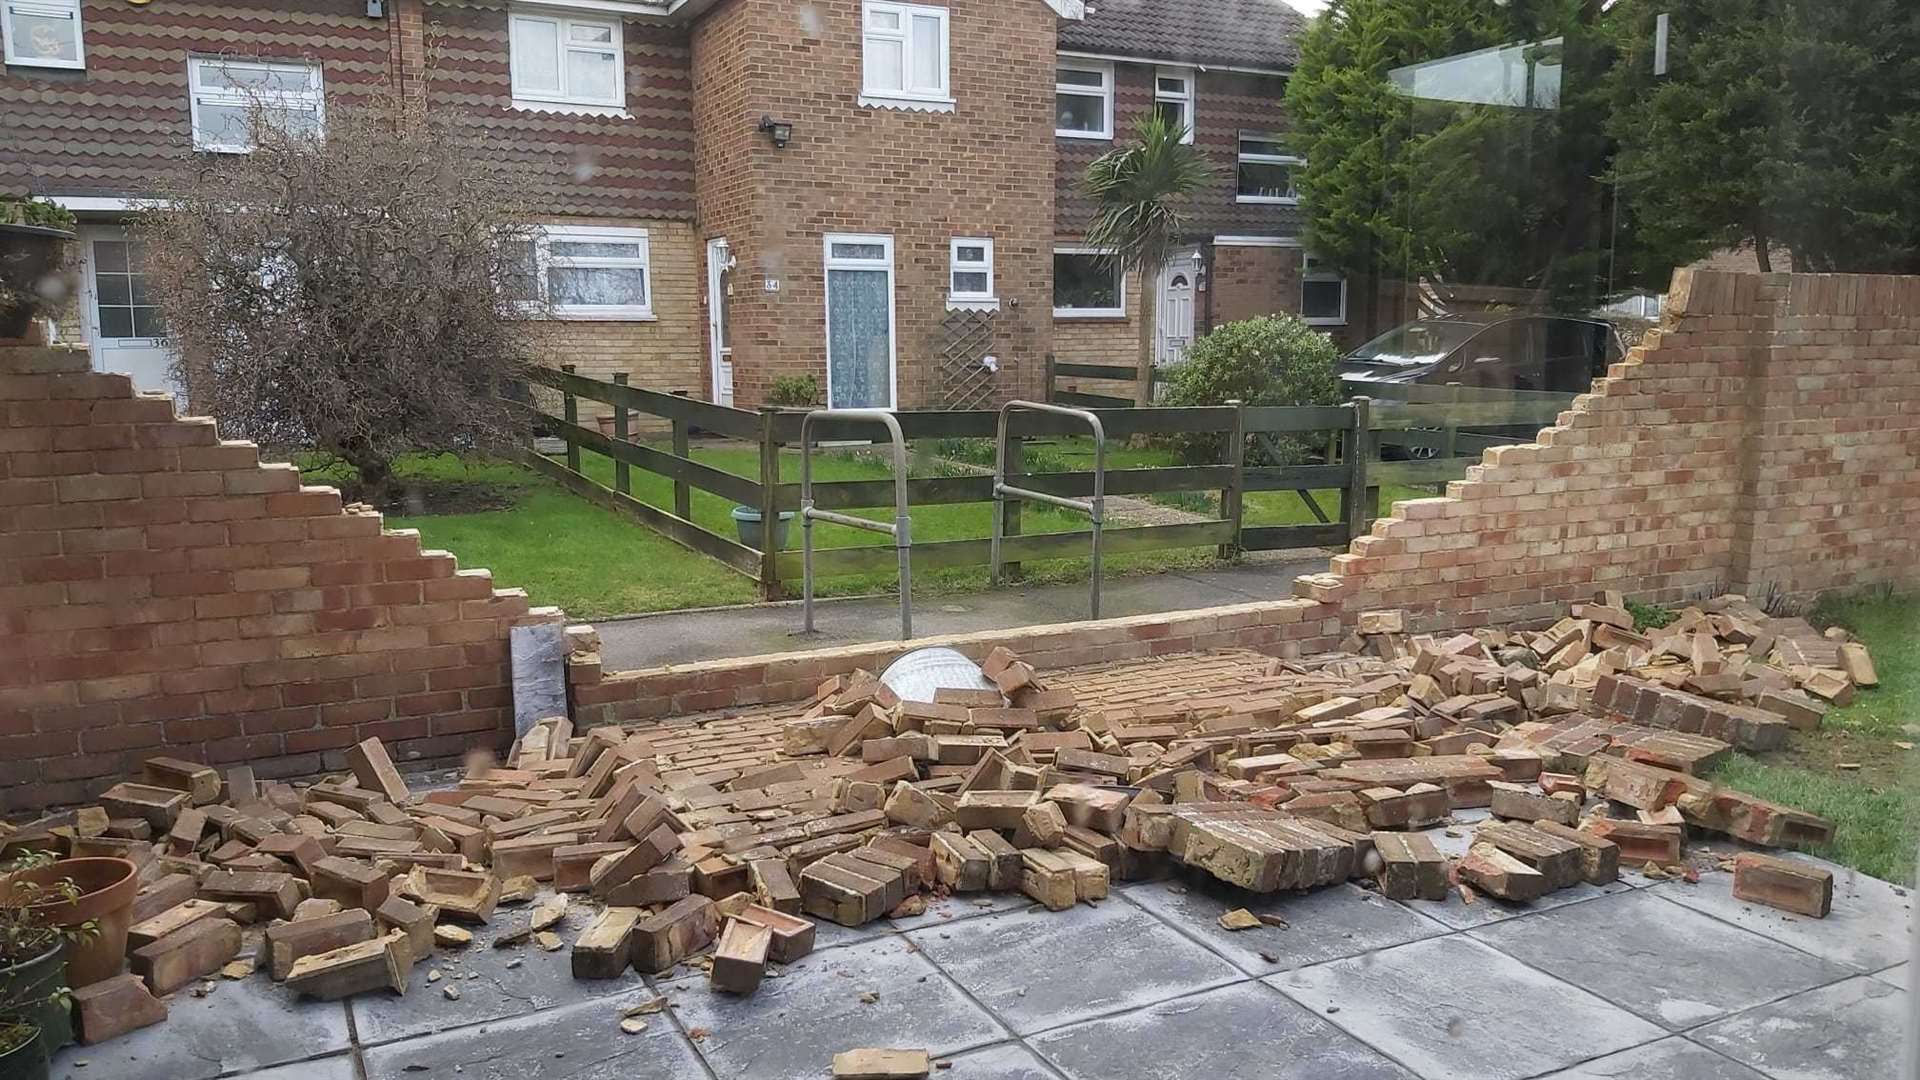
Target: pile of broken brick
x=1586, y=740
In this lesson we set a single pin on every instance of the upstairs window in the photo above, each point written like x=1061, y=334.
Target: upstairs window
x=560, y=60
x=970, y=272
x=42, y=33
x=1266, y=170
x=1323, y=294
x=903, y=51
x=1173, y=98
x=223, y=93
x=1083, y=100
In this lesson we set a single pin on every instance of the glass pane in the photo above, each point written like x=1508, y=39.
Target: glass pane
x=304, y=120
x=1175, y=86
x=1078, y=112
x=883, y=20
x=1076, y=77
x=1265, y=180
x=1320, y=299
x=519, y=272
x=113, y=288
x=592, y=75
x=147, y=322
x=596, y=249
x=886, y=64
x=968, y=281
x=536, y=55
x=139, y=293
x=116, y=322
x=859, y=345
x=1174, y=112
x=928, y=72
x=859, y=251
x=1271, y=147
x=110, y=256
x=597, y=286
x=973, y=253
x=590, y=33
x=1083, y=281
x=222, y=125
x=45, y=37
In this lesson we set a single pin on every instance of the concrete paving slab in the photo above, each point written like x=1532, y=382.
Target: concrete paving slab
x=1246, y=1031
x=1326, y=924
x=1900, y=975
x=947, y=909
x=338, y=1067
x=582, y=1041
x=1008, y=1061
x=1852, y=1030
x=1485, y=910
x=1668, y=1059
x=1867, y=929
x=1040, y=969
x=794, y=1024
x=1451, y=1007
x=240, y=1026
x=1623, y=947
x=494, y=984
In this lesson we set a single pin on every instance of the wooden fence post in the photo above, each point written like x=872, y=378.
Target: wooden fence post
x=682, y=491
x=622, y=479
x=1048, y=389
x=1232, y=497
x=769, y=505
x=1359, y=449
x=570, y=412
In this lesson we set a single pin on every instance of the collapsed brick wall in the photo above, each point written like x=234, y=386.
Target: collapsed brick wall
x=1766, y=439
x=162, y=590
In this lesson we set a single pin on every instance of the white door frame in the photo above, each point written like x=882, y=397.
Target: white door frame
x=89, y=298
x=1188, y=263
x=719, y=354
x=884, y=263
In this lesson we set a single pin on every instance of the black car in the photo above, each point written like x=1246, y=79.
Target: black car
x=1489, y=349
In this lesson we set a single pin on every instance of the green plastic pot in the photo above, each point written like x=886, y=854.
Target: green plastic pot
x=748, y=523
x=28, y=1061
x=37, y=980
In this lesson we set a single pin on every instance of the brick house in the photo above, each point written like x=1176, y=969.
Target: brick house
x=733, y=190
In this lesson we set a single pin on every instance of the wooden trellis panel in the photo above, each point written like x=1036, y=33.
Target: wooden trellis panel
x=965, y=337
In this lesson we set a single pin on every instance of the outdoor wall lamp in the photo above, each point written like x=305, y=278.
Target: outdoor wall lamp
x=781, y=130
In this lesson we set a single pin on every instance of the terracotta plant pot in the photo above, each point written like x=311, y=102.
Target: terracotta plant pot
x=32, y=268
x=36, y=981
x=106, y=888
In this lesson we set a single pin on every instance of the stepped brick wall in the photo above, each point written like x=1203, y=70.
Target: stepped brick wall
x=162, y=590
x=1766, y=440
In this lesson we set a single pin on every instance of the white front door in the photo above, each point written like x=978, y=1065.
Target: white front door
x=123, y=319
x=719, y=325
x=860, y=370
x=1175, y=323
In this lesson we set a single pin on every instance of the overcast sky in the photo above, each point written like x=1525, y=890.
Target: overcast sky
x=1309, y=7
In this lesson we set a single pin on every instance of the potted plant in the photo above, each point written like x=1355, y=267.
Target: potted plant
x=34, y=279
x=35, y=1000
x=790, y=391
x=90, y=901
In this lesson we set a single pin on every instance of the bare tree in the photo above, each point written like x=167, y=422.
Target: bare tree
x=361, y=292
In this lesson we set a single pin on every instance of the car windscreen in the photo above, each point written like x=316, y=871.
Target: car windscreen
x=1416, y=343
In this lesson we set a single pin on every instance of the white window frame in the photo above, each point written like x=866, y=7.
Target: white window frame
x=830, y=261
x=1308, y=272
x=959, y=298
x=315, y=95
x=1188, y=101
x=1292, y=161
x=544, y=259
x=1104, y=69
x=1119, y=311
x=51, y=9
x=925, y=98
x=561, y=101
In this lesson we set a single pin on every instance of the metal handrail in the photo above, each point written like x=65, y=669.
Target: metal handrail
x=1094, y=508
x=901, y=530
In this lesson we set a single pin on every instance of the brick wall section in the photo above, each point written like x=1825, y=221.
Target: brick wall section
x=161, y=590
x=604, y=697
x=921, y=177
x=1248, y=282
x=1766, y=437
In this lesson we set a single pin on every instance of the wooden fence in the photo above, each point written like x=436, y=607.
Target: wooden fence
x=1355, y=432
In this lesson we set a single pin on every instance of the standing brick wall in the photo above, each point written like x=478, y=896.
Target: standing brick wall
x=162, y=590
x=1766, y=439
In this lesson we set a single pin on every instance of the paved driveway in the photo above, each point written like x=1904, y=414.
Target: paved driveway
x=1640, y=981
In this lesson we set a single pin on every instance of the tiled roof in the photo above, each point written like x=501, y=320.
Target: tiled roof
x=1229, y=33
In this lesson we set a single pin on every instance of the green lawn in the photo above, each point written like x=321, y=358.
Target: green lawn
x=1876, y=806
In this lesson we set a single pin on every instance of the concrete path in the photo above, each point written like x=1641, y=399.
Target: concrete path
x=1641, y=980
x=680, y=637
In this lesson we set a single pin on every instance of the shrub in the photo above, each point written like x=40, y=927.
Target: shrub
x=797, y=391
x=1271, y=360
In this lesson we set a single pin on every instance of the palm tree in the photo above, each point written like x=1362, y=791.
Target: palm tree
x=1137, y=191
